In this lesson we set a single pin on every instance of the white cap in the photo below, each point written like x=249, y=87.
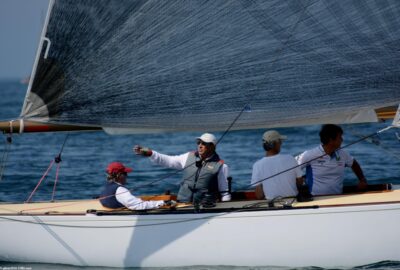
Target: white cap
x=208, y=138
x=272, y=136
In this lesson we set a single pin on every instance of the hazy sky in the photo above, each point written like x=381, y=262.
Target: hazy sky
x=21, y=23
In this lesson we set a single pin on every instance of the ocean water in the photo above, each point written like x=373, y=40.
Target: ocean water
x=86, y=155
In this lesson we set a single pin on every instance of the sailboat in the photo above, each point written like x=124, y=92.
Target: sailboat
x=178, y=65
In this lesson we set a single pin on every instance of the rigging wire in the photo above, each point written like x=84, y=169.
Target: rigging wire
x=375, y=140
x=57, y=160
x=245, y=108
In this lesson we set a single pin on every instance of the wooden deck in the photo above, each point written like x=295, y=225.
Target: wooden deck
x=73, y=207
x=371, y=197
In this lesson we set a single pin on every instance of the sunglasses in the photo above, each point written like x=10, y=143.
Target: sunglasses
x=203, y=143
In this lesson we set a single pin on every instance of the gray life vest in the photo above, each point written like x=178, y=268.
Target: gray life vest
x=200, y=178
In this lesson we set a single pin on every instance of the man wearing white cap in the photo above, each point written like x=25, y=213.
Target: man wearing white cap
x=204, y=173
x=272, y=175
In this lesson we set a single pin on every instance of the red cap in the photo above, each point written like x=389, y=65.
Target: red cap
x=117, y=167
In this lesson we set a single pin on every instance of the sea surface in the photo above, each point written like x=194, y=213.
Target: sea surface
x=86, y=155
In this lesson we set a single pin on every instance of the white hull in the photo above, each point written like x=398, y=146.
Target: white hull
x=326, y=237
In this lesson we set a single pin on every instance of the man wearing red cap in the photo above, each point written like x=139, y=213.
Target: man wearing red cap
x=205, y=174
x=116, y=195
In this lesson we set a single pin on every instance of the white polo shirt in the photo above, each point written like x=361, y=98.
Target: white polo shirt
x=325, y=175
x=281, y=185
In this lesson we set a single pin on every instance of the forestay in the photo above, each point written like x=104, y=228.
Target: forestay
x=194, y=65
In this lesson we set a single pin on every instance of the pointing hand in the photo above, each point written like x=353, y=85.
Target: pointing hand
x=142, y=151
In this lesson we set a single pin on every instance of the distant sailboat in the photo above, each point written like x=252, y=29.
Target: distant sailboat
x=156, y=66
x=25, y=80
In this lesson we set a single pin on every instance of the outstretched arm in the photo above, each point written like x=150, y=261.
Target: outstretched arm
x=174, y=162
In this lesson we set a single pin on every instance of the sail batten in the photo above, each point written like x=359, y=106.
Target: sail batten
x=193, y=65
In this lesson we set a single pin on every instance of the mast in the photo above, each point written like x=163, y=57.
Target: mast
x=39, y=49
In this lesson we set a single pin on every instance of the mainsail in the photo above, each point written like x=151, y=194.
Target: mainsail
x=194, y=65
